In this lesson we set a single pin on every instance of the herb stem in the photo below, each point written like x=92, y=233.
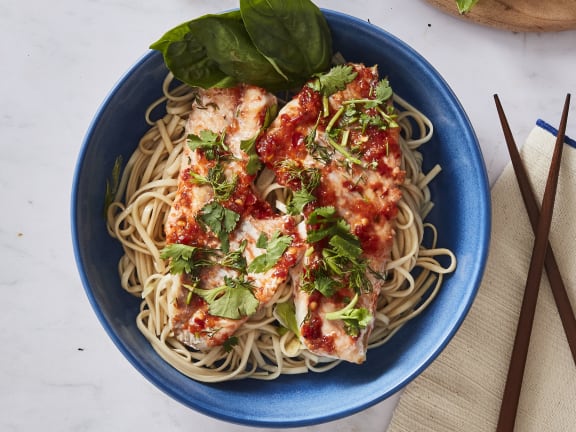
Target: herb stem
x=344, y=152
x=334, y=119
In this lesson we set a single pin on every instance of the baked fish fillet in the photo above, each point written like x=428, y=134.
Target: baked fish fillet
x=347, y=140
x=218, y=214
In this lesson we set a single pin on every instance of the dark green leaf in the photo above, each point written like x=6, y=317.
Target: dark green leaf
x=228, y=44
x=230, y=343
x=326, y=285
x=188, y=60
x=249, y=147
x=112, y=184
x=294, y=35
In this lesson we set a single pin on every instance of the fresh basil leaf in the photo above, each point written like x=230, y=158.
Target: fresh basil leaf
x=227, y=43
x=286, y=44
x=294, y=35
x=187, y=59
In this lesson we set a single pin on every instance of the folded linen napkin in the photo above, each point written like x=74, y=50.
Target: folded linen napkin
x=461, y=391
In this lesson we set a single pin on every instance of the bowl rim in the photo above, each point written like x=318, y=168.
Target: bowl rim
x=476, y=272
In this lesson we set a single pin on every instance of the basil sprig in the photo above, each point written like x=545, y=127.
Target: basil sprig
x=274, y=44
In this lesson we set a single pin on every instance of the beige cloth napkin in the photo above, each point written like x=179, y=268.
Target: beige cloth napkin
x=462, y=389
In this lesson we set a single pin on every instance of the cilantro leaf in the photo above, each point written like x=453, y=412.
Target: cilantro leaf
x=249, y=147
x=185, y=258
x=323, y=215
x=299, y=200
x=233, y=300
x=345, y=244
x=342, y=257
x=322, y=283
x=354, y=318
x=275, y=247
x=220, y=220
x=209, y=142
x=334, y=80
x=229, y=343
x=326, y=219
x=383, y=90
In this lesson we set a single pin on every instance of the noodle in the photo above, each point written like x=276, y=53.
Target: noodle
x=136, y=218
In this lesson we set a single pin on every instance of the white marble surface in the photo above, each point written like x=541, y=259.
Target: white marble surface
x=58, y=369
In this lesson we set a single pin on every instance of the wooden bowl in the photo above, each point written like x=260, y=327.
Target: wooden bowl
x=517, y=15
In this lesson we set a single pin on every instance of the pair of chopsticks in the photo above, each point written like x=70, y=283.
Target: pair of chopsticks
x=542, y=256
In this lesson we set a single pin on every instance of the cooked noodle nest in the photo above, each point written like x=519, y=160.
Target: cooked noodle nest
x=136, y=218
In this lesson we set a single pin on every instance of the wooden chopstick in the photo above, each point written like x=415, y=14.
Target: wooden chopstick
x=511, y=396
x=559, y=292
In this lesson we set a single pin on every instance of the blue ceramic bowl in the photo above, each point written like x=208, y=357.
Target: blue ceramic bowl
x=462, y=215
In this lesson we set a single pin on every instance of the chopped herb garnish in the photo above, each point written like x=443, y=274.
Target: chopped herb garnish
x=209, y=142
x=341, y=258
x=249, y=146
x=334, y=80
x=275, y=247
x=223, y=188
x=235, y=260
x=186, y=259
x=309, y=179
x=220, y=220
x=322, y=283
x=354, y=318
x=230, y=343
x=299, y=200
x=233, y=300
